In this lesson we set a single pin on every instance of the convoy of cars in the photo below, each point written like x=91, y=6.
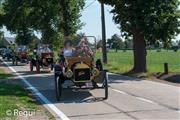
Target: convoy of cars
x=76, y=64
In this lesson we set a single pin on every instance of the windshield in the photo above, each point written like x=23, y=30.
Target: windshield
x=44, y=49
x=84, y=46
x=21, y=48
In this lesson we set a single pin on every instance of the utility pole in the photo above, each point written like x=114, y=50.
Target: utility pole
x=104, y=51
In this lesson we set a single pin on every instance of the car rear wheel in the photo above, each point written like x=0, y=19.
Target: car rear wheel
x=105, y=84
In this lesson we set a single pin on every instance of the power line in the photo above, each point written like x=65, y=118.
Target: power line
x=89, y=4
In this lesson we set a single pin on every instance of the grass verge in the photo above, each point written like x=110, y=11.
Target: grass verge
x=4, y=74
x=14, y=97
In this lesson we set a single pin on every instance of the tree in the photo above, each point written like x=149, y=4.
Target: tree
x=167, y=45
x=128, y=44
x=56, y=18
x=146, y=20
x=34, y=43
x=16, y=18
x=116, y=42
x=70, y=12
x=50, y=17
x=1, y=39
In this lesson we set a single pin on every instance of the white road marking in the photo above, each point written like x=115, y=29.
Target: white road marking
x=140, y=98
x=124, y=93
x=58, y=112
x=178, y=111
x=145, y=100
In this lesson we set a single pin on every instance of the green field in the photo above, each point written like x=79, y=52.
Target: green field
x=122, y=62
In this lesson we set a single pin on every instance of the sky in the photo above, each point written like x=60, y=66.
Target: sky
x=91, y=16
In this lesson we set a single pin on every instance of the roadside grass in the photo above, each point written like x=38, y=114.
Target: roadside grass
x=122, y=62
x=14, y=97
x=3, y=74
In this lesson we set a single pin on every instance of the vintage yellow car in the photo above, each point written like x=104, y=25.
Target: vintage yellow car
x=77, y=64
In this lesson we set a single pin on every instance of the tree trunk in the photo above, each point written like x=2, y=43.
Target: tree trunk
x=116, y=50
x=140, y=52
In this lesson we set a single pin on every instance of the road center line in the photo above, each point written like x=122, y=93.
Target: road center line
x=58, y=112
x=140, y=98
x=146, y=100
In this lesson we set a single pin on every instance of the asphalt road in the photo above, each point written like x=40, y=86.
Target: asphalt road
x=129, y=98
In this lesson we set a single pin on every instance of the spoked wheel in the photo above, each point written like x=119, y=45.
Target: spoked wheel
x=58, y=87
x=37, y=67
x=31, y=66
x=99, y=66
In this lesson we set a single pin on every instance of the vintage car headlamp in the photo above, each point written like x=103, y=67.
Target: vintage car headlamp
x=95, y=71
x=69, y=74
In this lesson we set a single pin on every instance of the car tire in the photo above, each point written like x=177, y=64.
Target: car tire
x=105, y=85
x=58, y=87
x=99, y=65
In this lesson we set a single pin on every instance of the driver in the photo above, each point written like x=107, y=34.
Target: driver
x=68, y=49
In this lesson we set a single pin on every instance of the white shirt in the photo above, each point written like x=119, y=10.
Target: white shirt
x=68, y=52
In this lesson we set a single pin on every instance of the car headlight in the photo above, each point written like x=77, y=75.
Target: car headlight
x=95, y=72
x=69, y=73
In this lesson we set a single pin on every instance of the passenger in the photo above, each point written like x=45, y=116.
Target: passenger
x=85, y=47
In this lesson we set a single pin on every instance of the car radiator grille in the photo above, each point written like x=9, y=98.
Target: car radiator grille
x=82, y=75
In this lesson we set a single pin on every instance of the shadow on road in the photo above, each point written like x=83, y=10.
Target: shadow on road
x=117, y=78
x=44, y=83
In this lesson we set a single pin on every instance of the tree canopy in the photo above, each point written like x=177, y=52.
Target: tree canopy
x=146, y=20
x=49, y=17
x=156, y=19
